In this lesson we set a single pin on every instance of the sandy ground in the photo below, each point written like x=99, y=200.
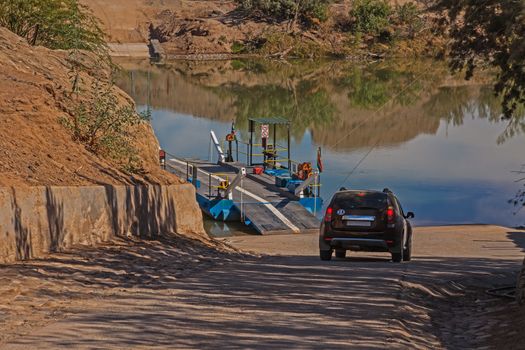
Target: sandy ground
x=177, y=294
x=36, y=148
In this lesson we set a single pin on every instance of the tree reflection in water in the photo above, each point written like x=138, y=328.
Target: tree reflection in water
x=348, y=108
x=392, y=102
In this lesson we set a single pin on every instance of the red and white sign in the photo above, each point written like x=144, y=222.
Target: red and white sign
x=265, y=131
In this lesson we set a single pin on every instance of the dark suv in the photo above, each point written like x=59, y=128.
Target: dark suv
x=371, y=221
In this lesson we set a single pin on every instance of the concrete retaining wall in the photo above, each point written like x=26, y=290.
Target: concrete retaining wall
x=38, y=220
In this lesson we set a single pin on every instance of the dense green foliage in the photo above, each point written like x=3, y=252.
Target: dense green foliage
x=490, y=33
x=374, y=16
x=56, y=24
x=279, y=10
x=370, y=16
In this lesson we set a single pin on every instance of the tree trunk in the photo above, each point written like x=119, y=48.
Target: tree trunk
x=298, y=7
x=35, y=35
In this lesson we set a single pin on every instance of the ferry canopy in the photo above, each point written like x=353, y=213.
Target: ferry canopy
x=270, y=120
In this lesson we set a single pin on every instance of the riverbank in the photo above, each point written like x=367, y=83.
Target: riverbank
x=38, y=143
x=78, y=165
x=210, y=29
x=180, y=294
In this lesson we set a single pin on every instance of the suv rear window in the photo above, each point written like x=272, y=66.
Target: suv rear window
x=356, y=200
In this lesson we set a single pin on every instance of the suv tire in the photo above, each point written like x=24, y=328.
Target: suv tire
x=397, y=257
x=407, y=252
x=341, y=254
x=325, y=254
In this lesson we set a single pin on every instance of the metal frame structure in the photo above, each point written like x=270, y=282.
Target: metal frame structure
x=273, y=122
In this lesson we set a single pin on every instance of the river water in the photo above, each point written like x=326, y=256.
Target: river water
x=440, y=144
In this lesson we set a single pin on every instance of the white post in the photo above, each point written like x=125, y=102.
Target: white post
x=315, y=194
x=217, y=146
x=242, y=202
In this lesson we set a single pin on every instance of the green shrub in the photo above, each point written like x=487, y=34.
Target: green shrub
x=281, y=10
x=370, y=16
x=316, y=9
x=407, y=13
x=238, y=47
x=56, y=24
x=103, y=125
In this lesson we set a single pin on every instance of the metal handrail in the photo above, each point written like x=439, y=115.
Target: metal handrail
x=223, y=175
x=276, y=160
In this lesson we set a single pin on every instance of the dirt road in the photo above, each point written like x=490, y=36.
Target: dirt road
x=143, y=297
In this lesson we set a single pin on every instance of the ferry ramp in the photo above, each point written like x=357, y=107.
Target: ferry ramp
x=264, y=206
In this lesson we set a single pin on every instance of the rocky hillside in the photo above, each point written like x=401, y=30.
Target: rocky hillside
x=35, y=147
x=216, y=27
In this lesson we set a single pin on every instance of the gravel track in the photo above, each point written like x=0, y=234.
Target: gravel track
x=179, y=294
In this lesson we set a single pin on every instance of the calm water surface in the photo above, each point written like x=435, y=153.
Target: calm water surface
x=440, y=145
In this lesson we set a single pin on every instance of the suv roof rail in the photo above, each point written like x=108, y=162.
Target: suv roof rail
x=386, y=190
x=342, y=189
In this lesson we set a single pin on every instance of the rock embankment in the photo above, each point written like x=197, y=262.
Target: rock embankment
x=211, y=29
x=54, y=192
x=35, y=148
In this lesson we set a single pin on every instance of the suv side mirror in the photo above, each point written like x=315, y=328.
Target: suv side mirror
x=410, y=215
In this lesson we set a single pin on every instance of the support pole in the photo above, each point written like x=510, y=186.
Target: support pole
x=316, y=182
x=319, y=187
x=250, y=145
x=209, y=185
x=274, y=134
x=229, y=156
x=237, y=149
x=194, y=175
x=275, y=146
x=243, y=217
x=289, y=152
x=265, y=145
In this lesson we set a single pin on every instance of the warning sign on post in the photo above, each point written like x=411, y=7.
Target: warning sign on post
x=265, y=131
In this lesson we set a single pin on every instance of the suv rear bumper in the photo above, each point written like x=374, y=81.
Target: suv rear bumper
x=359, y=243
x=389, y=241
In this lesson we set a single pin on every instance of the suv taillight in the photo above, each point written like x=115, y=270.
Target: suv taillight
x=328, y=215
x=390, y=215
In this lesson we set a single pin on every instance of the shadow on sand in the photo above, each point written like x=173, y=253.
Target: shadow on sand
x=270, y=302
